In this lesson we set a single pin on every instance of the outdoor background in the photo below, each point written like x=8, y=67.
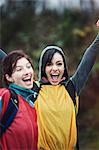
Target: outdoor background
x=31, y=25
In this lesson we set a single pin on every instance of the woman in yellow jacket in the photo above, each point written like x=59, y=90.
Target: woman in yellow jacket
x=55, y=107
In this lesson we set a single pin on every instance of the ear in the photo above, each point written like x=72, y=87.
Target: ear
x=8, y=78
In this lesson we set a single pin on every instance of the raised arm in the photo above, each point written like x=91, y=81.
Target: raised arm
x=85, y=66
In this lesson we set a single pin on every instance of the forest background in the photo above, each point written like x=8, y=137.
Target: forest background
x=31, y=25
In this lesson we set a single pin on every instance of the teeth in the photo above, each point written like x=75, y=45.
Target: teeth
x=28, y=79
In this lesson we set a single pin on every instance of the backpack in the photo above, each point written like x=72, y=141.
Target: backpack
x=10, y=112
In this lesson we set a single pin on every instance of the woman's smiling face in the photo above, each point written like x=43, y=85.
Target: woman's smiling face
x=55, y=69
x=23, y=74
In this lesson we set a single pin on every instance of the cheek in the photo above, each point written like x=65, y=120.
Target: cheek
x=62, y=70
x=46, y=70
x=32, y=72
x=16, y=77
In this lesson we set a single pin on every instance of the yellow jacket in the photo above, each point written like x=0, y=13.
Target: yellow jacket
x=56, y=119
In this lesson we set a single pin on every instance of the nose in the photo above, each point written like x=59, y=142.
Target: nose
x=54, y=67
x=26, y=71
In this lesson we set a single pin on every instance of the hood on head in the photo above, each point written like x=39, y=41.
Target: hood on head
x=43, y=58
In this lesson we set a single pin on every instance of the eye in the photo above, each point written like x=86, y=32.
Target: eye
x=49, y=64
x=29, y=66
x=18, y=69
x=59, y=64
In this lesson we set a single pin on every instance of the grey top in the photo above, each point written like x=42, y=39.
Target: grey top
x=83, y=70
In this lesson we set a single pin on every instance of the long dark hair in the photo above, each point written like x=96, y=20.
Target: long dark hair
x=9, y=63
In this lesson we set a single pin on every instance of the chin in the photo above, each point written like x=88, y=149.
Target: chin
x=29, y=86
x=54, y=83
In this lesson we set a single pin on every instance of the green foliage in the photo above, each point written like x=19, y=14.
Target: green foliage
x=71, y=29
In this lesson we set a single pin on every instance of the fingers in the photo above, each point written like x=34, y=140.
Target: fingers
x=97, y=24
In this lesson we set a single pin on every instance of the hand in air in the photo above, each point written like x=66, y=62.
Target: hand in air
x=97, y=24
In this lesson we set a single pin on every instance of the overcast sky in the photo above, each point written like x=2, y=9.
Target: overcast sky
x=74, y=3
x=1, y=1
x=55, y=3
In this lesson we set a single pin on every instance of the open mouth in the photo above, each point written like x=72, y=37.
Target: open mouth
x=27, y=80
x=54, y=77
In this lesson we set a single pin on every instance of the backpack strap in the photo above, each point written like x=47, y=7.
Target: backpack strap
x=10, y=112
x=36, y=89
x=72, y=92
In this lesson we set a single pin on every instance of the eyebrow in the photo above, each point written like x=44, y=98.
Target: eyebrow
x=59, y=61
x=26, y=64
x=18, y=66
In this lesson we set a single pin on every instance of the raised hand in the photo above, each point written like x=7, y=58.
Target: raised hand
x=97, y=24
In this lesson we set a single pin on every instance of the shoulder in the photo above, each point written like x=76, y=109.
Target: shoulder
x=4, y=98
x=70, y=86
x=71, y=89
x=4, y=92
